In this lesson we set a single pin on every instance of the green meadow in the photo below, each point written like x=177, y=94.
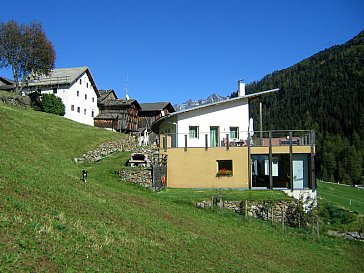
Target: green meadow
x=51, y=221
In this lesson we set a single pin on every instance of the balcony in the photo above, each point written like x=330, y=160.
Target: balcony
x=210, y=140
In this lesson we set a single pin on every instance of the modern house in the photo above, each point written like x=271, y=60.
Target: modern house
x=75, y=86
x=150, y=112
x=215, y=146
x=117, y=114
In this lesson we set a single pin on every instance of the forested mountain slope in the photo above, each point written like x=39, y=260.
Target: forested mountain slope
x=325, y=93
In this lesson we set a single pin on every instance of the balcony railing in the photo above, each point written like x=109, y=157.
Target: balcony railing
x=238, y=139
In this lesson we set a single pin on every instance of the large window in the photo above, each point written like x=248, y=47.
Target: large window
x=234, y=132
x=281, y=171
x=193, y=131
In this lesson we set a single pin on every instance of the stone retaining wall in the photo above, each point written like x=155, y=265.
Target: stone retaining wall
x=125, y=144
x=15, y=100
x=139, y=176
x=259, y=209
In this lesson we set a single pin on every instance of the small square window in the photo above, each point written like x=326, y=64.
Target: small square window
x=234, y=132
x=224, y=168
x=193, y=131
x=78, y=93
x=72, y=108
x=78, y=109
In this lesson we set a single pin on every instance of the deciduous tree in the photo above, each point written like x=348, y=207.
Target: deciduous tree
x=26, y=49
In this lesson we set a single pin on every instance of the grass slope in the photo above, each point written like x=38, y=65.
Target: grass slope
x=349, y=198
x=51, y=221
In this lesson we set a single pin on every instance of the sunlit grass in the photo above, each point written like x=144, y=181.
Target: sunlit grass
x=51, y=221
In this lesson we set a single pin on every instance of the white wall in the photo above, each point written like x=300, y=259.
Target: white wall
x=223, y=115
x=86, y=105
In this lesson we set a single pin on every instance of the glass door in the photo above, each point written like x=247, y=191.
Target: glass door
x=214, y=136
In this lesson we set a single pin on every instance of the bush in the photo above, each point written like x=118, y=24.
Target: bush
x=333, y=215
x=52, y=104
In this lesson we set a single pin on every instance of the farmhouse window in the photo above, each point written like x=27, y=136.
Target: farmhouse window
x=193, y=131
x=55, y=90
x=234, y=132
x=78, y=109
x=80, y=81
x=93, y=99
x=72, y=107
x=84, y=111
x=78, y=93
x=85, y=96
x=92, y=113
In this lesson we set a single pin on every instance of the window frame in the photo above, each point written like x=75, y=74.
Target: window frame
x=234, y=130
x=193, y=132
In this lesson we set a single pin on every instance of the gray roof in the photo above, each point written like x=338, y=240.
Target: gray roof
x=104, y=94
x=119, y=102
x=6, y=84
x=58, y=76
x=62, y=76
x=5, y=81
x=154, y=106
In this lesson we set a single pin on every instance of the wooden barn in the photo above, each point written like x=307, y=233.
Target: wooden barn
x=117, y=114
x=150, y=112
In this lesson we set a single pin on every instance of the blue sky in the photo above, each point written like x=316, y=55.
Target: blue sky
x=175, y=50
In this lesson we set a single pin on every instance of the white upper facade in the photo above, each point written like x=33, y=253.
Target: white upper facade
x=76, y=88
x=215, y=123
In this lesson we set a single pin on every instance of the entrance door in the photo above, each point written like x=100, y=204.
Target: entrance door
x=214, y=136
x=300, y=171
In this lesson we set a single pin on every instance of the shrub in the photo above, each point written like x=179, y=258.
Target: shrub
x=52, y=104
x=336, y=216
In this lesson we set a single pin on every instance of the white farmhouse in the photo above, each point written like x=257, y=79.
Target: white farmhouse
x=76, y=88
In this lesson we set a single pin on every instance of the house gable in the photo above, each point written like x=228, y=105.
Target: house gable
x=75, y=86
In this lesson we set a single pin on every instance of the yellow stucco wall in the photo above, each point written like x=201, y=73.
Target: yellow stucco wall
x=197, y=168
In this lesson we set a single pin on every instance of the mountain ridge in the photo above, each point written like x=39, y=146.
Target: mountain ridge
x=195, y=103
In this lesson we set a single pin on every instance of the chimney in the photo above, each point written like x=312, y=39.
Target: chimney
x=241, y=88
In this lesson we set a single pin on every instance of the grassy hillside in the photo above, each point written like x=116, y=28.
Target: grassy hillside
x=346, y=197
x=51, y=221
